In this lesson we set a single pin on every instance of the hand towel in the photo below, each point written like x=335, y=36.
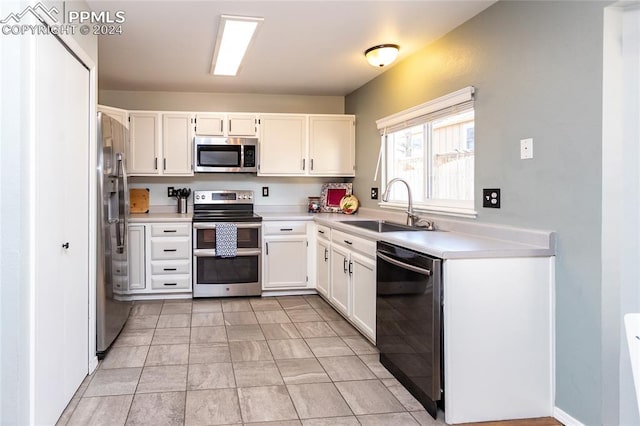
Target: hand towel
x=226, y=239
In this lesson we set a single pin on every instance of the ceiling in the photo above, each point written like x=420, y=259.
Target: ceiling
x=302, y=47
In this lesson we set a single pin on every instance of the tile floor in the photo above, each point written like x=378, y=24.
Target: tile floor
x=286, y=360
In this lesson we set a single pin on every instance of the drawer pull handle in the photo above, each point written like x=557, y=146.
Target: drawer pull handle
x=170, y=283
x=170, y=269
x=168, y=250
x=348, y=242
x=320, y=231
x=286, y=229
x=170, y=230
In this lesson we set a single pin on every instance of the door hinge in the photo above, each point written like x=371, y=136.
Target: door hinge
x=306, y=278
x=307, y=243
x=129, y=119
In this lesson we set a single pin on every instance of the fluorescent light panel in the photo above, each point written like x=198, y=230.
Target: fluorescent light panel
x=234, y=37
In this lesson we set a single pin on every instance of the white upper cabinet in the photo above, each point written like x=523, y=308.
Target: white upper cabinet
x=144, y=143
x=177, y=146
x=242, y=125
x=209, y=124
x=283, y=145
x=332, y=145
x=231, y=124
x=160, y=144
x=307, y=145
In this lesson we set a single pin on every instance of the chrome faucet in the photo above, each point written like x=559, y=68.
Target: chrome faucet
x=411, y=217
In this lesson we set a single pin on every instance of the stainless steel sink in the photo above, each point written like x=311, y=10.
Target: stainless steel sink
x=381, y=225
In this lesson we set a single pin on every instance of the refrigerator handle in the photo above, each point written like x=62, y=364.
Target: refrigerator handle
x=121, y=233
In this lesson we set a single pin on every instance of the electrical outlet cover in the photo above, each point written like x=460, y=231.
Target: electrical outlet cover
x=265, y=191
x=374, y=193
x=491, y=198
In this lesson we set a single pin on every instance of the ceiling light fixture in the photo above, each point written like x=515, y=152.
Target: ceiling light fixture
x=235, y=34
x=382, y=54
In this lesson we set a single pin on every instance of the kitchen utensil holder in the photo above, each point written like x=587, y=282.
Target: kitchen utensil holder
x=182, y=205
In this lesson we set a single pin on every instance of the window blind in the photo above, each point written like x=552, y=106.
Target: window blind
x=458, y=101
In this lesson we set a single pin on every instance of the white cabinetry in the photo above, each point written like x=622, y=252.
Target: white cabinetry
x=160, y=144
x=136, y=256
x=144, y=143
x=323, y=265
x=159, y=260
x=283, y=145
x=221, y=124
x=307, y=145
x=352, y=284
x=177, y=146
x=332, y=147
x=285, y=255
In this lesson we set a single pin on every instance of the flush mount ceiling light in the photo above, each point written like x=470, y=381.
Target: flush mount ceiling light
x=382, y=54
x=235, y=34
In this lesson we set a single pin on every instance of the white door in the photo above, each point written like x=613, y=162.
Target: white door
x=339, y=282
x=322, y=266
x=137, y=262
x=209, y=124
x=364, y=294
x=61, y=291
x=332, y=145
x=241, y=125
x=283, y=145
x=177, y=141
x=144, y=142
x=285, y=262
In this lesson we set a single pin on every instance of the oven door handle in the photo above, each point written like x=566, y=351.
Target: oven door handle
x=199, y=225
x=212, y=252
x=404, y=265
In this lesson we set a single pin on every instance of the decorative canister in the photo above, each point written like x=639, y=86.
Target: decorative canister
x=314, y=204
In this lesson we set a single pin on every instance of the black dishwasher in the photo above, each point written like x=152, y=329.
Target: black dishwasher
x=409, y=321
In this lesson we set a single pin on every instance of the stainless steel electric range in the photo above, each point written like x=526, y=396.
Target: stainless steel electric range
x=215, y=275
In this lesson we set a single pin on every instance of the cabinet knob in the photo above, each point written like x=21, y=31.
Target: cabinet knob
x=65, y=245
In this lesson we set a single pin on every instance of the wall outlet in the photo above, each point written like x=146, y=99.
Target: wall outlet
x=491, y=198
x=526, y=149
x=265, y=191
x=170, y=192
x=374, y=193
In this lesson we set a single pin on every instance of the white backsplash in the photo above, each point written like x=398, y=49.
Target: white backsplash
x=282, y=190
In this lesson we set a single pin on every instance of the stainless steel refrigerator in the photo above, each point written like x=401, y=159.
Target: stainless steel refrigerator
x=113, y=210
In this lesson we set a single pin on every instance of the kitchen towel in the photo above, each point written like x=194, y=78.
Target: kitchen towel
x=226, y=239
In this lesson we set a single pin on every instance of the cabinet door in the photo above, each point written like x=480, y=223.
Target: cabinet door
x=363, y=281
x=285, y=262
x=339, y=281
x=322, y=266
x=136, y=257
x=332, y=145
x=177, y=144
x=144, y=143
x=241, y=125
x=283, y=145
x=209, y=125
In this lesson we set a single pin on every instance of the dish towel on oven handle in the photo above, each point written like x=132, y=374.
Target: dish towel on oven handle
x=226, y=239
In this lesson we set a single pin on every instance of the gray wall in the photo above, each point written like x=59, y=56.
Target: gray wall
x=537, y=67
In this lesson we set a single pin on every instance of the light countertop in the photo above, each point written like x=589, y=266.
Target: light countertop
x=452, y=239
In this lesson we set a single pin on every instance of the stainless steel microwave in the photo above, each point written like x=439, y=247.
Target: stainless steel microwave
x=225, y=155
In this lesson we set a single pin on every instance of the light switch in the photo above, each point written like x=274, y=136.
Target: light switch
x=526, y=149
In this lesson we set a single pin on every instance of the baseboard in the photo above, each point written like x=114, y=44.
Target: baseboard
x=565, y=418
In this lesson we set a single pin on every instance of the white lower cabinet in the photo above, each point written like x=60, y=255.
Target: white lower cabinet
x=285, y=256
x=159, y=259
x=323, y=265
x=136, y=258
x=352, y=279
x=363, y=283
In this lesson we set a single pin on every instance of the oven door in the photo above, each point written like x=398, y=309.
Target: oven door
x=215, y=276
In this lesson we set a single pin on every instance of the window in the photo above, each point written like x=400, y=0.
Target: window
x=434, y=152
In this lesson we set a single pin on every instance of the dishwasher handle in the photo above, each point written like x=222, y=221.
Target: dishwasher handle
x=385, y=256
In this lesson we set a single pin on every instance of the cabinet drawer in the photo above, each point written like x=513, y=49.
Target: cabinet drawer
x=323, y=232
x=284, y=228
x=170, y=248
x=352, y=242
x=170, y=282
x=170, y=230
x=171, y=267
